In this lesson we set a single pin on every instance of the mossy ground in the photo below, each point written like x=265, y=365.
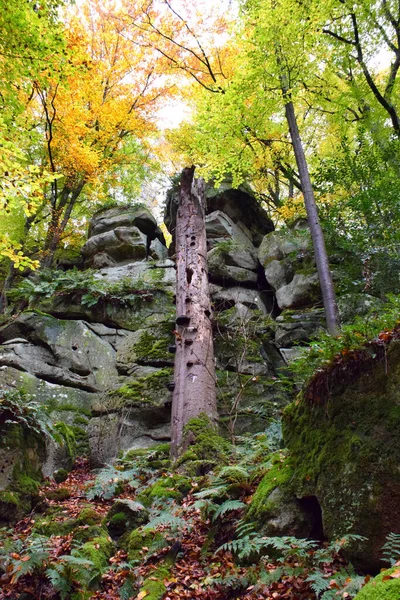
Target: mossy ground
x=386, y=586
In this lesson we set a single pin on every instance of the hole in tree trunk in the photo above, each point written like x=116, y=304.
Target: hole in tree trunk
x=189, y=275
x=183, y=320
x=207, y=313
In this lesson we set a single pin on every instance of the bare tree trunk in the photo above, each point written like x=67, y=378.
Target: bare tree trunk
x=321, y=257
x=195, y=390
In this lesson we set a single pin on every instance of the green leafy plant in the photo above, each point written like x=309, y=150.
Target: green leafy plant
x=391, y=549
x=83, y=286
x=108, y=480
x=358, y=335
x=18, y=408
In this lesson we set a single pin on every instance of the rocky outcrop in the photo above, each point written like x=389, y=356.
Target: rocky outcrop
x=345, y=451
x=124, y=234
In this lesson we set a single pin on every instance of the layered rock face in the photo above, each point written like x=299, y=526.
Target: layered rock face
x=106, y=370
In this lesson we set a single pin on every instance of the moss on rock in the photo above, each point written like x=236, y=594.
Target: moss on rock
x=345, y=451
x=174, y=487
x=139, y=539
x=98, y=551
x=382, y=587
x=154, y=585
x=149, y=389
x=205, y=447
x=278, y=475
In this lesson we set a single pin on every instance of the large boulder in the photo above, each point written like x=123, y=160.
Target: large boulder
x=64, y=352
x=239, y=205
x=287, y=259
x=343, y=437
x=122, y=234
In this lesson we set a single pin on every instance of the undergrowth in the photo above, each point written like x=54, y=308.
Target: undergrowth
x=82, y=286
x=364, y=333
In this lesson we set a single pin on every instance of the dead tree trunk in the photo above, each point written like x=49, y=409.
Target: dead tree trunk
x=195, y=390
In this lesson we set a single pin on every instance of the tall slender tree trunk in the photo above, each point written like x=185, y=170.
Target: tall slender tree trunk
x=321, y=257
x=195, y=389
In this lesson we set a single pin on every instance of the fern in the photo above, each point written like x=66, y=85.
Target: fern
x=35, y=556
x=166, y=519
x=227, y=506
x=319, y=582
x=108, y=480
x=234, y=474
x=70, y=568
x=59, y=582
x=391, y=548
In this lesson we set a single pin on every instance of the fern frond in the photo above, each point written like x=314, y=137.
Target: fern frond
x=227, y=506
x=391, y=548
x=165, y=518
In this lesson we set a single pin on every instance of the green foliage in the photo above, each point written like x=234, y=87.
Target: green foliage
x=352, y=337
x=81, y=286
x=109, y=480
x=18, y=408
x=391, y=549
x=24, y=557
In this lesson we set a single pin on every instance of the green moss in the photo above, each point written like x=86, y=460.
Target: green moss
x=174, y=487
x=142, y=390
x=345, y=450
x=137, y=540
x=85, y=534
x=98, y=551
x=154, y=585
x=58, y=494
x=60, y=476
x=206, y=448
x=69, y=438
x=278, y=475
x=49, y=526
x=117, y=524
x=79, y=420
x=89, y=516
x=383, y=587
x=8, y=497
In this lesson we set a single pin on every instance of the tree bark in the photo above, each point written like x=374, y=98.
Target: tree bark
x=321, y=257
x=194, y=376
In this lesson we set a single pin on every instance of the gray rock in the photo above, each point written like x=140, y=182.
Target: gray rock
x=130, y=429
x=219, y=228
x=302, y=291
x=227, y=298
x=281, y=244
x=286, y=516
x=122, y=216
x=154, y=273
x=299, y=327
x=219, y=269
x=123, y=234
x=119, y=245
x=279, y=273
x=63, y=352
x=240, y=205
x=291, y=354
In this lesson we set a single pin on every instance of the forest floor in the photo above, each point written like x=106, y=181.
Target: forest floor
x=194, y=572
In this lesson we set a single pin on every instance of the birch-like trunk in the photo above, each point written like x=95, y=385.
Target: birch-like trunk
x=321, y=257
x=194, y=376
